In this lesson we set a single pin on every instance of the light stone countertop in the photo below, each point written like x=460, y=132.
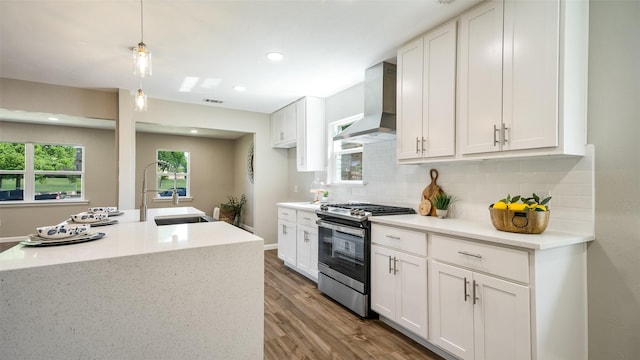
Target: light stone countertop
x=483, y=231
x=468, y=229
x=130, y=237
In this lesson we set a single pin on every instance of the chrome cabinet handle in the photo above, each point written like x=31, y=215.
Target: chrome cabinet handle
x=423, y=144
x=417, y=145
x=466, y=294
x=395, y=265
x=306, y=236
x=284, y=213
x=475, y=297
x=390, y=264
x=306, y=218
x=504, y=134
x=284, y=229
x=496, y=141
x=393, y=237
x=478, y=256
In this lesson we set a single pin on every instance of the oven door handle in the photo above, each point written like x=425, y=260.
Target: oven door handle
x=345, y=229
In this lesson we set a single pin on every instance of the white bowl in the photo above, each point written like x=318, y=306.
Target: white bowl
x=62, y=230
x=103, y=209
x=86, y=217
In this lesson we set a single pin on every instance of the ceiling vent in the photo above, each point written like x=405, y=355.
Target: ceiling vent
x=212, y=101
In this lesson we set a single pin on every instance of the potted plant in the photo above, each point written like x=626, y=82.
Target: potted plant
x=231, y=210
x=441, y=201
x=325, y=196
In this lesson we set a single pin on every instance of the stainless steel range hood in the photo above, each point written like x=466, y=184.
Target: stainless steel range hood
x=379, y=121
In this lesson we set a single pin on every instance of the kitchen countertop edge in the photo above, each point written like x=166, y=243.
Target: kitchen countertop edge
x=549, y=239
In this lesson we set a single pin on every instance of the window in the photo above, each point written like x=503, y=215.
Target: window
x=179, y=161
x=345, y=159
x=33, y=172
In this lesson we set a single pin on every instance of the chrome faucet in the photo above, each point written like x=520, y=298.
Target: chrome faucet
x=174, y=196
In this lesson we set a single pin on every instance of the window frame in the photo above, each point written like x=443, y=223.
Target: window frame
x=332, y=155
x=29, y=174
x=186, y=174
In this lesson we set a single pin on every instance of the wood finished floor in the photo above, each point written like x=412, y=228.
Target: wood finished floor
x=302, y=323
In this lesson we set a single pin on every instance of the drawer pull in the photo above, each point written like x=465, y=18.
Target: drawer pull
x=306, y=218
x=390, y=265
x=393, y=237
x=478, y=256
x=284, y=213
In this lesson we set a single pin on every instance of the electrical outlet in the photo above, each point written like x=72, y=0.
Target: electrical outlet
x=295, y=188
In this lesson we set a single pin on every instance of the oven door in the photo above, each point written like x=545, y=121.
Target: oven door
x=342, y=252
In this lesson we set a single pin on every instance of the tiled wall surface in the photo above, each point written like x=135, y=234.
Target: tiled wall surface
x=476, y=185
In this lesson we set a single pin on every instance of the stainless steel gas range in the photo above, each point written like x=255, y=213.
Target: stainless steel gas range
x=344, y=251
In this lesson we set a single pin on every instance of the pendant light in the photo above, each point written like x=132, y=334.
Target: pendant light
x=141, y=53
x=140, y=100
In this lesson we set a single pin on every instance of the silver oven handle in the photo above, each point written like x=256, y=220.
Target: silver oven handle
x=345, y=229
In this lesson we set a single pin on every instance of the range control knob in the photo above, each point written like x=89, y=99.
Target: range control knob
x=357, y=212
x=324, y=207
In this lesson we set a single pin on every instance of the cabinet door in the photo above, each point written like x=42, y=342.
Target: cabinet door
x=480, y=78
x=283, y=127
x=409, y=100
x=411, y=295
x=287, y=241
x=383, y=282
x=307, y=251
x=439, y=97
x=452, y=309
x=501, y=320
x=530, y=76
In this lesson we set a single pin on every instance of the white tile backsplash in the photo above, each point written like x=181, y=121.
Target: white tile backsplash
x=475, y=185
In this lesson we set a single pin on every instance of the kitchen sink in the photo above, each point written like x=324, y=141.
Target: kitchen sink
x=183, y=220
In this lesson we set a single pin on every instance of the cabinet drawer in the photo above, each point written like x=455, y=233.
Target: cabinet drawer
x=400, y=239
x=287, y=214
x=307, y=219
x=500, y=261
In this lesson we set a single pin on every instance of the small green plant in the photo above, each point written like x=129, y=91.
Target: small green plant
x=325, y=194
x=441, y=201
x=236, y=203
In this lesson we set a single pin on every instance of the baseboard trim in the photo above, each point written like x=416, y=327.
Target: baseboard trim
x=417, y=339
x=270, y=247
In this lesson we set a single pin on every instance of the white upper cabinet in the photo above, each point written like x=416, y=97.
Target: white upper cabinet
x=310, y=124
x=520, y=87
x=426, y=96
x=283, y=127
x=301, y=124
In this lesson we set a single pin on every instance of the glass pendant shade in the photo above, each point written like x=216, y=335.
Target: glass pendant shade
x=140, y=101
x=141, y=60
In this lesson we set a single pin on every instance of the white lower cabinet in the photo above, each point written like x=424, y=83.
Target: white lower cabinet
x=298, y=241
x=399, y=277
x=307, y=240
x=287, y=241
x=476, y=316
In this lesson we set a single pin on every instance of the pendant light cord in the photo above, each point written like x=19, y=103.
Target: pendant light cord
x=141, y=23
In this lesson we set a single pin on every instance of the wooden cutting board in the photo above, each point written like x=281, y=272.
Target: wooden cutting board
x=424, y=208
x=431, y=190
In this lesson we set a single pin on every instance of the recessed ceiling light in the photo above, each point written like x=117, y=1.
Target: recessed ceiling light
x=194, y=131
x=275, y=56
x=53, y=118
x=239, y=88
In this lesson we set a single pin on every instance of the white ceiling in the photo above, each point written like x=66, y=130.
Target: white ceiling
x=327, y=44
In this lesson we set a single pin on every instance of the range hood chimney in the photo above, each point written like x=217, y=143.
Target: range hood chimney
x=379, y=121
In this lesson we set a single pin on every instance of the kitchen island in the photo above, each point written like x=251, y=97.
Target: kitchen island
x=142, y=292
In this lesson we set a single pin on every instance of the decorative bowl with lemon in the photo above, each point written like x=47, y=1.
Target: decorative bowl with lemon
x=521, y=215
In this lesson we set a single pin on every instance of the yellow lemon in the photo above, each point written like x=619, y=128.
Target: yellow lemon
x=500, y=205
x=541, y=207
x=517, y=206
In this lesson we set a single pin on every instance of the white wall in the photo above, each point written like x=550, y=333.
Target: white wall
x=614, y=127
